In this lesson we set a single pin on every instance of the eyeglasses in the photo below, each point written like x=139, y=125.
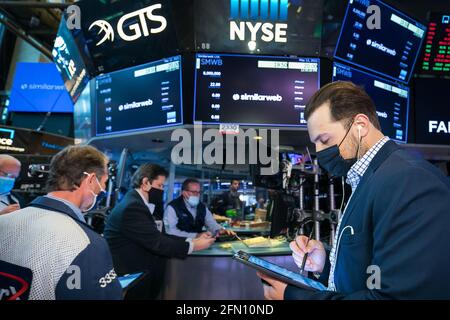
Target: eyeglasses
x=194, y=192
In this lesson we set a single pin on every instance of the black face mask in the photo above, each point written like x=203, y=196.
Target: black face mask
x=331, y=160
x=155, y=196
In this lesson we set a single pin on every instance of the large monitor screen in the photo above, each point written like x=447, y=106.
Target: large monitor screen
x=125, y=33
x=432, y=111
x=38, y=87
x=254, y=90
x=391, y=50
x=142, y=97
x=391, y=99
x=436, y=55
x=69, y=61
x=259, y=26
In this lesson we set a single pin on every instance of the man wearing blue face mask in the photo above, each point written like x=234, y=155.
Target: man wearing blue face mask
x=9, y=171
x=186, y=216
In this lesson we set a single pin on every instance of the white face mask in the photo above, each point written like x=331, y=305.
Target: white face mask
x=193, y=201
x=94, y=201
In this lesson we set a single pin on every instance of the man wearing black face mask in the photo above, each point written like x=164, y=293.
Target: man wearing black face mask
x=136, y=237
x=392, y=239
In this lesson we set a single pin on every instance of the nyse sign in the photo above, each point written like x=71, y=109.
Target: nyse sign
x=138, y=29
x=271, y=24
x=268, y=31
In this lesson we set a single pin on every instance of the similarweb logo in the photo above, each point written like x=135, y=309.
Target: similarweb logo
x=257, y=97
x=381, y=47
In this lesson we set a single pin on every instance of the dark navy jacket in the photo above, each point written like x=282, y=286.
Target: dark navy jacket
x=400, y=215
x=186, y=221
x=136, y=243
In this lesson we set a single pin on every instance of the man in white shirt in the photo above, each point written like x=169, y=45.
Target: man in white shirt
x=186, y=216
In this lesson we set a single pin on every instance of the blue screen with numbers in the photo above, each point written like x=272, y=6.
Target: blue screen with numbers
x=389, y=51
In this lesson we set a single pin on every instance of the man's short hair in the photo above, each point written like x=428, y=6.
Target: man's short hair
x=187, y=182
x=67, y=167
x=233, y=180
x=150, y=171
x=346, y=100
x=7, y=158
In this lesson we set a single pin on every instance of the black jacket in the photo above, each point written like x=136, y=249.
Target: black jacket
x=225, y=201
x=398, y=222
x=135, y=242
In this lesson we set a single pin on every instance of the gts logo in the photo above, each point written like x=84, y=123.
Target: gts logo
x=107, y=279
x=211, y=62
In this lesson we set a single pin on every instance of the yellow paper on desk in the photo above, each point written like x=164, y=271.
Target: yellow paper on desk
x=220, y=219
x=258, y=242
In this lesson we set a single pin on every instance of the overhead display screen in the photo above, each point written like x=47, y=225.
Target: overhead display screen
x=436, y=56
x=142, y=97
x=69, y=61
x=254, y=90
x=391, y=99
x=38, y=87
x=432, y=111
x=125, y=33
x=259, y=26
x=391, y=50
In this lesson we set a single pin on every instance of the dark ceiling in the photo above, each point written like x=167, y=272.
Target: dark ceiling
x=40, y=19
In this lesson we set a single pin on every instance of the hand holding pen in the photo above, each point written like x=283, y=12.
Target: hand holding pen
x=305, y=256
x=308, y=254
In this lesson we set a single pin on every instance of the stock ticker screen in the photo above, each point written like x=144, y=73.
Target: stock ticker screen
x=142, y=97
x=391, y=99
x=254, y=90
x=436, y=56
x=390, y=51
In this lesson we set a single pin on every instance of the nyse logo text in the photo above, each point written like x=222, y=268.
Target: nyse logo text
x=253, y=20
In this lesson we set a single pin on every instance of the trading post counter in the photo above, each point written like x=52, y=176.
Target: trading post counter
x=213, y=274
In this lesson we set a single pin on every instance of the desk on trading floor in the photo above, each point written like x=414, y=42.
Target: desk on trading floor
x=264, y=231
x=212, y=274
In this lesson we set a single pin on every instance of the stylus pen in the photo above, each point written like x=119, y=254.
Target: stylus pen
x=237, y=237
x=306, y=254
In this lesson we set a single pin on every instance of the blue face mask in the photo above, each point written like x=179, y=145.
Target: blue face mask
x=6, y=184
x=193, y=201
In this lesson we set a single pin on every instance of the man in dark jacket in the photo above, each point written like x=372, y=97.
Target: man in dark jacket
x=228, y=200
x=136, y=238
x=392, y=239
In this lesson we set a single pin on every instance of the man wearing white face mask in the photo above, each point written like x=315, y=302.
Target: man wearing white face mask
x=49, y=245
x=186, y=216
x=9, y=171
